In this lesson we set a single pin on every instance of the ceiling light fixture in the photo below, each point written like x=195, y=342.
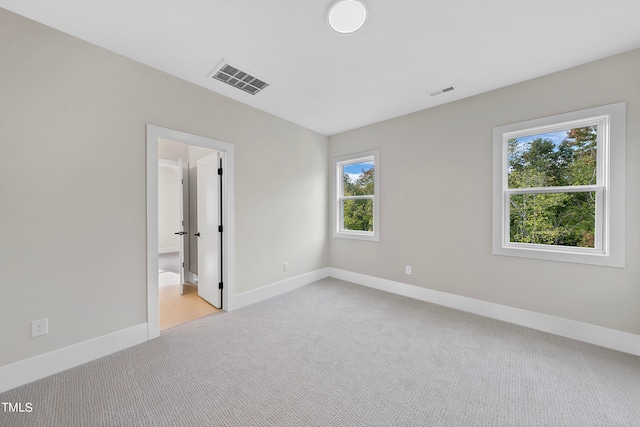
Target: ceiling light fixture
x=347, y=16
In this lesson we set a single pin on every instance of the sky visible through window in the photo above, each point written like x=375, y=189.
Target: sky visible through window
x=555, y=137
x=354, y=170
x=523, y=143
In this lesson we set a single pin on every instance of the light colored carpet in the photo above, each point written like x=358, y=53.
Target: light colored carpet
x=337, y=354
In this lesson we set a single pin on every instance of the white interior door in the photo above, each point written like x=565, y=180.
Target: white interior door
x=208, y=211
x=183, y=216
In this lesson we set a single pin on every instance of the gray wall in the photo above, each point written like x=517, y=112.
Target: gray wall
x=436, y=189
x=73, y=233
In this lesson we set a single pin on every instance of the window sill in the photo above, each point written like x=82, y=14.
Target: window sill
x=562, y=255
x=356, y=236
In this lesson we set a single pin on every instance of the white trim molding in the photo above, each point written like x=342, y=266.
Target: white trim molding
x=41, y=366
x=192, y=278
x=168, y=163
x=608, y=189
x=155, y=133
x=168, y=249
x=592, y=334
x=338, y=196
x=256, y=295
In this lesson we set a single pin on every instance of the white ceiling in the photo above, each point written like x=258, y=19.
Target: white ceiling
x=331, y=82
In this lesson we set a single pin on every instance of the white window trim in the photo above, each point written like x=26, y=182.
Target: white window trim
x=610, y=188
x=338, y=162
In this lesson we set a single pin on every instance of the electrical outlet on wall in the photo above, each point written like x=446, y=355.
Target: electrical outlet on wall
x=285, y=267
x=407, y=269
x=39, y=327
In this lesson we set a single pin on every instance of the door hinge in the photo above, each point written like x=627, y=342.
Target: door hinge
x=219, y=229
x=220, y=285
x=219, y=171
x=183, y=265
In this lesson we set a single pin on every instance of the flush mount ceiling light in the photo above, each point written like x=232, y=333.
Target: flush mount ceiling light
x=347, y=16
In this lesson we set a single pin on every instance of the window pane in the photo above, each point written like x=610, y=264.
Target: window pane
x=563, y=219
x=358, y=214
x=358, y=178
x=566, y=157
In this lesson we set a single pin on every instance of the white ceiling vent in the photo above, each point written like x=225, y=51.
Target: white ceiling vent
x=444, y=90
x=234, y=76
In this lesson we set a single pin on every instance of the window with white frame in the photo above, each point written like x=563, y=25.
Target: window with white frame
x=559, y=187
x=357, y=200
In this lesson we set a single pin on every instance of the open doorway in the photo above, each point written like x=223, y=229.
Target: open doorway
x=209, y=161
x=181, y=299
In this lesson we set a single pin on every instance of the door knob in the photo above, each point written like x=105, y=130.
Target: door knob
x=197, y=234
x=181, y=233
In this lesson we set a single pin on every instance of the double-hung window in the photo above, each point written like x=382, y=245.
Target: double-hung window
x=559, y=187
x=356, y=203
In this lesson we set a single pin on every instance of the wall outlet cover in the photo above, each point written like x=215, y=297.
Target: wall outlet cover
x=39, y=327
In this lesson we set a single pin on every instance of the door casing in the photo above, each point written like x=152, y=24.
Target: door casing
x=154, y=133
x=181, y=169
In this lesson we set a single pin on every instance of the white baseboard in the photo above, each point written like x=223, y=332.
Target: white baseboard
x=251, y=297
x=35, y=368
x=168, y=249
x=592, y=334
x=192, y=278
x=41, y=366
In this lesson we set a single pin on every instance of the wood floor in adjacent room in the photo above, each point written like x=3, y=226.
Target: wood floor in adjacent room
x=176, y=309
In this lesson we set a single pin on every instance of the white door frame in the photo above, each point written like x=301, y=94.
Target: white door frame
x=183, y=180
x=183, y=203
x=153, y=134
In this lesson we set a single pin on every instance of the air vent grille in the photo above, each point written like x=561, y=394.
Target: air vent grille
x=445, y=90
x=237, y=78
